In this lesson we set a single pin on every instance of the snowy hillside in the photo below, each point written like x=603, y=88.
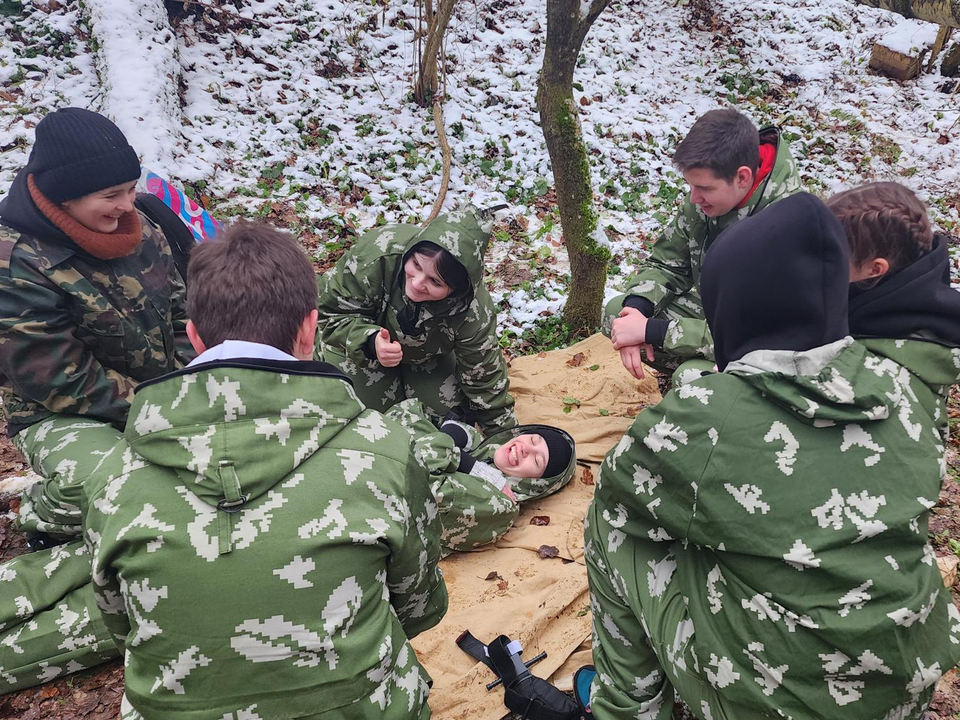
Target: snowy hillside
x=300, y=110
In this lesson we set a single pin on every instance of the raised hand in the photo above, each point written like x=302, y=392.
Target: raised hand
x=389, y=353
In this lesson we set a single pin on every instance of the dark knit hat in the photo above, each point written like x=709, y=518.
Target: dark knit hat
x=78, y=152
x=559, y=448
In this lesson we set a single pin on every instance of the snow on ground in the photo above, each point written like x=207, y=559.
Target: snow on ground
x=300, y=110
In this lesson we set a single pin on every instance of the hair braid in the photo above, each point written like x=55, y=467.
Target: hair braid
x=883, y=220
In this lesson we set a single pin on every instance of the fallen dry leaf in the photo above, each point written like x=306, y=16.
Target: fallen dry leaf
x=547, y=551
x=948, y=569
x=493, y=575
x=586, y=477
x=577, y=360
x=540, y=520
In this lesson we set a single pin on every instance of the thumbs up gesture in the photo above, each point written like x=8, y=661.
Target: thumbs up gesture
x=389, y=353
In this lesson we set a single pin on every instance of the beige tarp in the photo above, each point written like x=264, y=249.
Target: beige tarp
x=509, y=589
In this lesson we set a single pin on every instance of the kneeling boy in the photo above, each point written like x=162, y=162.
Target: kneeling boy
x=733, y=172
x=257, y=519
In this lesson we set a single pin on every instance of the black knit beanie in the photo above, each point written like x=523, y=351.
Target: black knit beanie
x=78, y=152
x=560, y=450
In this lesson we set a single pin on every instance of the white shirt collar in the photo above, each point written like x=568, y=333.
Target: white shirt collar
x=233, y=349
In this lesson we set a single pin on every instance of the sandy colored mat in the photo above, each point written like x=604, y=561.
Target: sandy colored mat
x=543, y=602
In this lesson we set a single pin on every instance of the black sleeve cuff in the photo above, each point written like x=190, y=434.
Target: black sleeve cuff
x=459, y=435
x=657, y=331
x=639, y=303
x=370, y=347
x=467, y=461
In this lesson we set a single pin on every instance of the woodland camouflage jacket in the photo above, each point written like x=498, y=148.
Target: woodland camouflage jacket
x=77, y=334
x=673, y=268
x=365, y=291
x=263, y=546
x=807, y=573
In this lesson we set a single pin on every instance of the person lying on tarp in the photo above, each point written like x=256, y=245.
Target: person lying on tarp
x=478, y=483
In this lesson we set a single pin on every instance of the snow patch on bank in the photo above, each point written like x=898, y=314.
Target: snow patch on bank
x=140, y=72
x=306, y=106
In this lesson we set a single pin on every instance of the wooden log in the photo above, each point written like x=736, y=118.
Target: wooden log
x=896, y=64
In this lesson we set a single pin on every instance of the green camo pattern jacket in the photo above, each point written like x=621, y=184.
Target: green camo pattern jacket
x=674, y=265
x=364, y=292
x=263, y=546
x=473, y=511
x=77, y=334
x=809, y=580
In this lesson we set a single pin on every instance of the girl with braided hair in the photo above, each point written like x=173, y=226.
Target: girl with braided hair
x=902, y=306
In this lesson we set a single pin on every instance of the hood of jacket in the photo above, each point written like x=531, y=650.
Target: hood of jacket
x=777, y=280
x=782, y=179
x=18, y=211
x=211, y=423
x=462, y=234
x=917, y=302
x=528, y=488
x=835, y=383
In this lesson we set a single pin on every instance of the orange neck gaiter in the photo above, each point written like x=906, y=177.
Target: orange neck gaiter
x=104, y=246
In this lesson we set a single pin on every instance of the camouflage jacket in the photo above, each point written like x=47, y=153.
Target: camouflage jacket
x=673, y=268
x=796, y=490
x=365, y=291
x=257, y=519
x=936, y=366
x=77, y=334
x=473, y=510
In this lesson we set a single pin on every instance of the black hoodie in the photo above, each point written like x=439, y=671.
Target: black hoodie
x=18, y=211
x=777, y=280
x=915, y=302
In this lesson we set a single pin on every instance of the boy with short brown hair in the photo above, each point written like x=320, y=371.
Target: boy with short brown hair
x=259, y=518
x=733, y=171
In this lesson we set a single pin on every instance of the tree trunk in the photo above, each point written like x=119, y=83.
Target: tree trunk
x=942, y=12
x=560, y=122
x=437, y=23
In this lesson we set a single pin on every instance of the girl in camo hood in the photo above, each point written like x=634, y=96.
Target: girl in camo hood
x=478, y=483
x=404, y=313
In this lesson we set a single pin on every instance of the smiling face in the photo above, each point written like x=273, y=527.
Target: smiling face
x=526, y=456
x=714, y=195
x=422, y=280
x=101, y=211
